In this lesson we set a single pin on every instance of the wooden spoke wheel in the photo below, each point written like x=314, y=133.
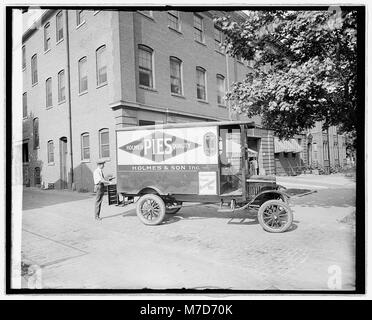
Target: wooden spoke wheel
x=275, y=216
x=150, y=209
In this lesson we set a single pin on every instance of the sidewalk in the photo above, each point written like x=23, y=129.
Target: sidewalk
x=316, y=182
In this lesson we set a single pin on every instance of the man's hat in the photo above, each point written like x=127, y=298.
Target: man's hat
x=100, y=161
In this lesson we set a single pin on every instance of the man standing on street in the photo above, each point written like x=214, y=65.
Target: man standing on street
x=99, y=185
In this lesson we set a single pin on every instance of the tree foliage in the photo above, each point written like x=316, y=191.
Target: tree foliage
x=303, y=68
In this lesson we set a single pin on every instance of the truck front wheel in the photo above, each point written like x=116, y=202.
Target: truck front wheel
x=150, y=209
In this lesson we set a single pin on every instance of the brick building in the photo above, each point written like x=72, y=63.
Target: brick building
x=86, y=73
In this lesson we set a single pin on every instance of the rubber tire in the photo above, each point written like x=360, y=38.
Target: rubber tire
x=268, y=228
x=161, y=204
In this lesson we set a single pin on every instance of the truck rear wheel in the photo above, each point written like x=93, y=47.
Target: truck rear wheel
x=150, y=209
x=275, y=216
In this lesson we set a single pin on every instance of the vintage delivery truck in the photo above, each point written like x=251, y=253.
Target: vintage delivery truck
x=208, y=162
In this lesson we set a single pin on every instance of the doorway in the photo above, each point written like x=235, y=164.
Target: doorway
x=63, y=162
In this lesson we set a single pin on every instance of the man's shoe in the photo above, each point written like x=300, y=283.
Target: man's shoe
x=98, y=218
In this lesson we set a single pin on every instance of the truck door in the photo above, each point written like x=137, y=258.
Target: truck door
x=231, y=160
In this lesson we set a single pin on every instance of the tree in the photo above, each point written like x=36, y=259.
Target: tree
x=303, y=68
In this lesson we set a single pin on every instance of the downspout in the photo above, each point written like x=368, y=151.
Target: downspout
x=69, y=99
x=228, y=83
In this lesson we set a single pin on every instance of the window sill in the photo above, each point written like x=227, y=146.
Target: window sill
x=83, y=93
x=221, y=105
x=59, y=41
x=202, y=101
x=85, y=161
x=202, y=43
x=175, y=30
x=61, y=102
x=146, y=16
x=178, y=95
x=148, y=88
x=47, y=108
x=81, y=23
x=50, y=163
x=220, y=52
x=25, y=118
x=46, y=51
x=34, y=84
x=101, y=85
x=104, y=159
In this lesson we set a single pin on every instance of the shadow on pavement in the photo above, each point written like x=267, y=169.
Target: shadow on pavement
x=37, y=198
x=326, y=198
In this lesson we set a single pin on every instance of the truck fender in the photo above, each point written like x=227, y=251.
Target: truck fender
x=284, y=196
x=150, y=189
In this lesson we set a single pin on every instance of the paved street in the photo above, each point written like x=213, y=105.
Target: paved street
x=196, y=248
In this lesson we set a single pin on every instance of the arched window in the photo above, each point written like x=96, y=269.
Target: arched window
x=25, y=105
x=34, y=69
x=47, y=37
x=145, y=66
x=101, y=65
x=48, y=92
x=220, y=89
x=59, y=26
x=174, y=20
x=85, y=146
x=80, y=17
x=176, y=75
x=61, y=86
x=50, y=151
x=201, y=83
x=83, y=75
x=104, y=143
x=36, y=132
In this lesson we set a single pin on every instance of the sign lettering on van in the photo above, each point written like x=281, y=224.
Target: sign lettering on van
x=160, y=146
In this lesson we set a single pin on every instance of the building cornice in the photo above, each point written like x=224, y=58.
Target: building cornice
x=139, y=106
x=36, y=25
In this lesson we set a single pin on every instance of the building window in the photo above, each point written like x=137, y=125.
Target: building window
x=48, y=91
x=146, y=123
x=101, y=65
x=173, y=20
x=217, y=38
x=104, y=143
x=315, y=150
x=325, y=151
x=198, y=28
x=23, y=57
x=37, y=176
x=145, y=64
x=83, y=75
x=59, y=26
x=36, y=132
x=80, y=17
x=175, y=75
x=34, y=69
x=50, y=151
x=24, y=103
x=85, y=146
x=25, y=156
x=47, y=37
x=220, y=89
x=61, y=86
x=200, y=83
